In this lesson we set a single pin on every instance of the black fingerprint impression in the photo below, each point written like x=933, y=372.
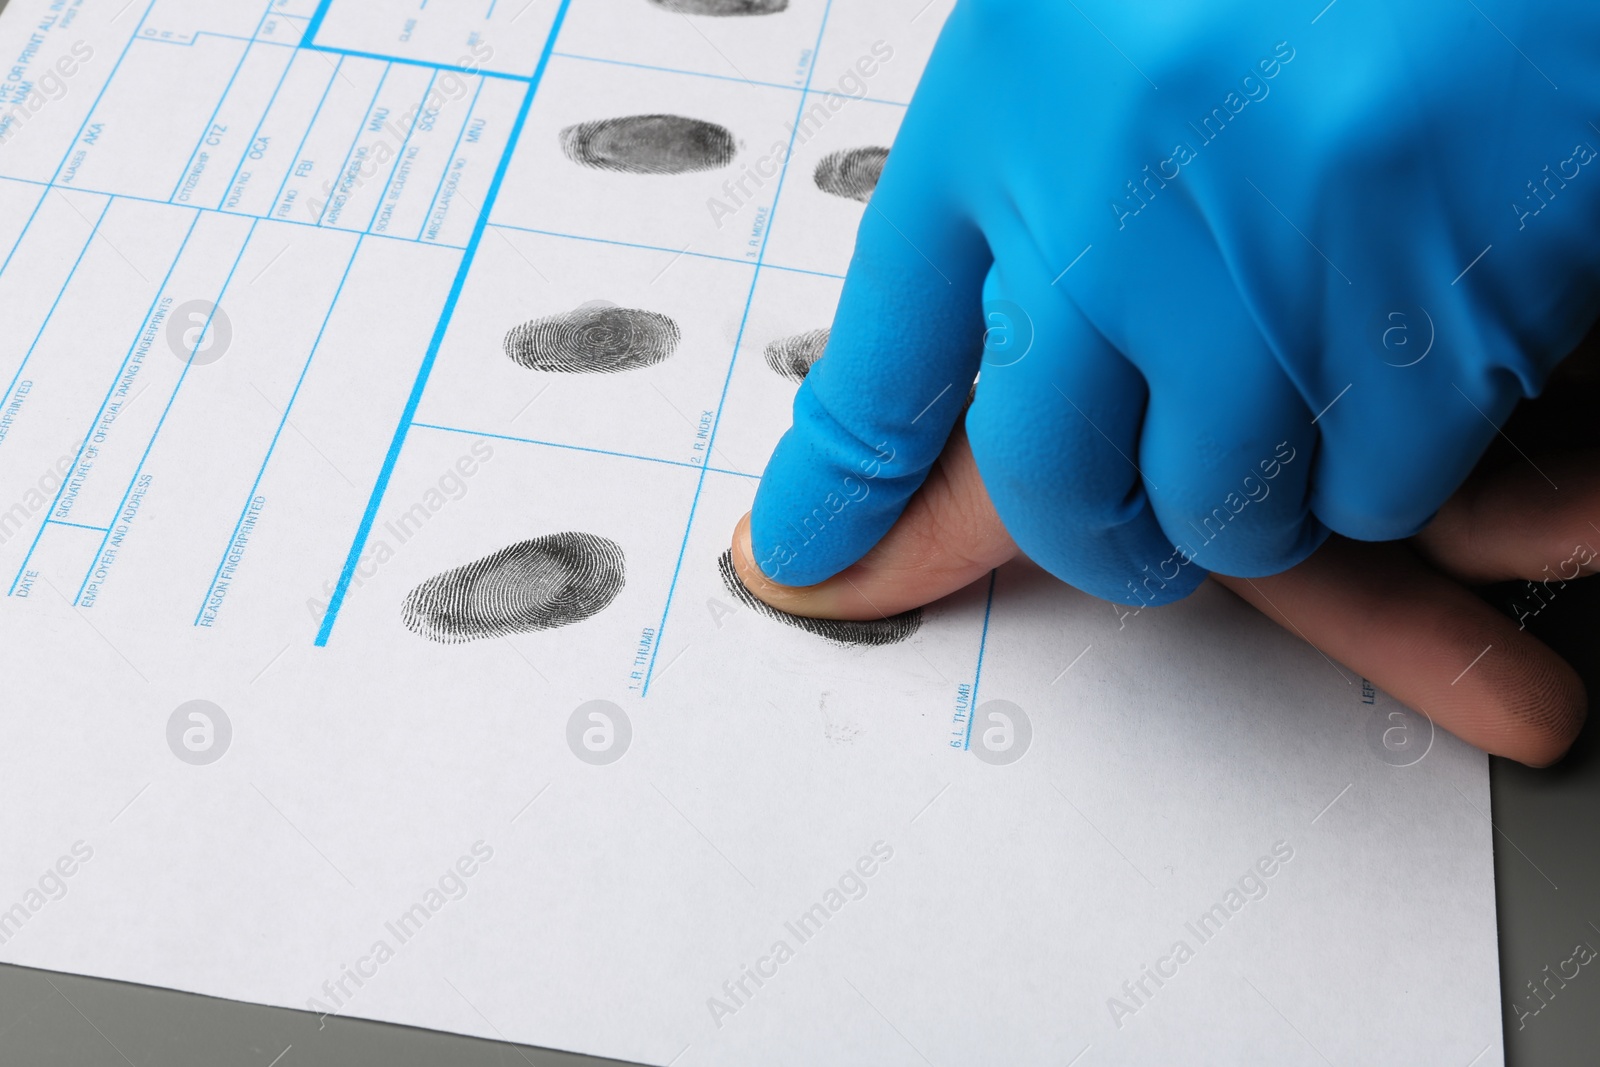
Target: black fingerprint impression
x=596, y=338
x=538, y=584
x=723, y=7
x=649, y=144
x=873, y=632
x=792, y=357
x=851, y=173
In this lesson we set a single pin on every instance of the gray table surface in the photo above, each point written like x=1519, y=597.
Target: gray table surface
x=1547, y=871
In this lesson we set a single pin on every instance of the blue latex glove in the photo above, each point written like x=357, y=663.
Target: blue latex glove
x=1232, y=264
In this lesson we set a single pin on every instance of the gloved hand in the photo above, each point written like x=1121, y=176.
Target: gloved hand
x=1249, y=272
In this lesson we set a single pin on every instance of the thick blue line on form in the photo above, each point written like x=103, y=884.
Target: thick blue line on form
x=315, y=24
x=711, y=440
x=467, y=257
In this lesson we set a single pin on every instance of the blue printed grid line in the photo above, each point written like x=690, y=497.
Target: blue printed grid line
x=582, y=448
x=95, y=103
x=277, y=198
x=272, y=445
x=659, y=248
x=24, y=231
x=192, y=41
x=214, y=211
x=56, y=302
x=172, y=398
x=977, y=672
x=144, y=324
x=729, y=78
x=398, y=442
x=400, y=156
x=404, y=61
x=451, y=161
x=223, y=99
x=361, y=128
x=744, y=319
x=250, y=144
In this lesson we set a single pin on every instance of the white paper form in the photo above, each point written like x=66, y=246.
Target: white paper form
x=382, y=383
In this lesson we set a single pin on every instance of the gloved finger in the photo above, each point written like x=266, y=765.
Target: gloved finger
x=1511, y=522
x=1227, y=448
x=1429, y=643
x=874, y=412
x=948, y=537
x=1055, y=431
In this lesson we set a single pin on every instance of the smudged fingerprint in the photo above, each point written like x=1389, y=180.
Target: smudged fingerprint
x=593, y=338
x=538, y=584
x=873, y=632
x=649, y=144
x=723, y=7
x=792, y=357
x=851, y=172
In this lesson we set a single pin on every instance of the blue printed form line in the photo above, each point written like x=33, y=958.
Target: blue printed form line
x=255, y=133
x=344, y=167
x=427, y=64
x=399, y=157
x=744, y=319
x=277, y=200
x=232, y=214
x=277, y=433
x=172, y=398
x=581, y=448
x=95, y=103
x=467, y=256
x=24, y=232
x=57, y=302
x=144, y=324
x=450, y=162
x=660, y=248
x=977, y=673
x=211, y=122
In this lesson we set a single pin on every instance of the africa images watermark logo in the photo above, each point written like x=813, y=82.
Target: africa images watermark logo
x=850, y=886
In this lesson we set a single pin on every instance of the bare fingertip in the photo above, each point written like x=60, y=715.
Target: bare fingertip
x=852, y=632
